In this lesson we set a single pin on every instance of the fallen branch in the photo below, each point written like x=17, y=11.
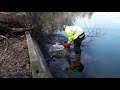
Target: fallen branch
x=20, y=29
x=8, y=41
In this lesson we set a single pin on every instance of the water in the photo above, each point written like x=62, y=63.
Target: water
x=106, y=48
x=102, y=58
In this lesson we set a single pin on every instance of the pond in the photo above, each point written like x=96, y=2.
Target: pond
x=102, y=58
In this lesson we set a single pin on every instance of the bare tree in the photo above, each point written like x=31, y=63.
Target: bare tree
x=92, y=33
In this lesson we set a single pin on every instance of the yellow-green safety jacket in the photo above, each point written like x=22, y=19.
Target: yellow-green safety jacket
x=73, y=32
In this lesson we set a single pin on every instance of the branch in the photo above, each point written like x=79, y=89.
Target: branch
x=8, y=41
x=20, y=29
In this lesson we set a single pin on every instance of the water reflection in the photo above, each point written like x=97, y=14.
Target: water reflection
x=106, y=48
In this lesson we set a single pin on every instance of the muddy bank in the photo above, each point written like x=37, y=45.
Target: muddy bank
x=14, y=62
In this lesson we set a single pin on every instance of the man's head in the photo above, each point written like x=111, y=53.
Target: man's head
x=64, y=26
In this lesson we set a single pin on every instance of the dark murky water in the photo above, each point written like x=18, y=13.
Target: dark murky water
x=102, y=58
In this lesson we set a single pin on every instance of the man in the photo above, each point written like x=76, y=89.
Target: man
x=75, y=34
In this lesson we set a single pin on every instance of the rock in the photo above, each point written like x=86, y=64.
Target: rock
x=27, y=66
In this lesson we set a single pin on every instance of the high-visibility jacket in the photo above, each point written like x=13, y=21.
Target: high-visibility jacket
x=73, y=32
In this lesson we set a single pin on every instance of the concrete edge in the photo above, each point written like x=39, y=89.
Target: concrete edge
x=37, y=62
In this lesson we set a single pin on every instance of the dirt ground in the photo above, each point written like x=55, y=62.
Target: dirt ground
x=14, y=62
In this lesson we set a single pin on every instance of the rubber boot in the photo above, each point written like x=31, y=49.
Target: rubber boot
x=71, y=66
x=78, y=60
x=79, y=66
x=71, y=63
x=75, y=67
x=76, y=63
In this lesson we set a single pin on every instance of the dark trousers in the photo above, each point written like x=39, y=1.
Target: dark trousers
x=77, y=44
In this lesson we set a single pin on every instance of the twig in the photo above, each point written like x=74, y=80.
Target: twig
x=6, y=42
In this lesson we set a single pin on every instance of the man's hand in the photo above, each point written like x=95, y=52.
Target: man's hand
x=67, y=45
